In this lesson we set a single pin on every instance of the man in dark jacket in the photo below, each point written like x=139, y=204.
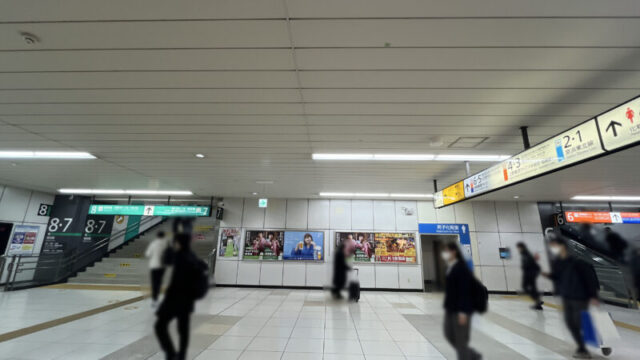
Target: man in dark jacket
x=530, y=272
x=458, y=304
x=179, y=299
x=577, y=284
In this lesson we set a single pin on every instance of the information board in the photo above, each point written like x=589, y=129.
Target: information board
x=149, y=210
x=621, y=126
x=453, y=193
x=602, y=217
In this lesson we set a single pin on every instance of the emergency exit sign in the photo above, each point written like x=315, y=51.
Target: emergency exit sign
x=262, y=203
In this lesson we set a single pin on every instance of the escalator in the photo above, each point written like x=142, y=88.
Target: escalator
x=614, y=277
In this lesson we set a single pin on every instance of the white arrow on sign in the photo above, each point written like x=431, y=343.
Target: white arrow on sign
x=621, y=126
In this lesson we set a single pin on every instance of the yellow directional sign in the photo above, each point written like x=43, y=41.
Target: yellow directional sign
x=621, y=126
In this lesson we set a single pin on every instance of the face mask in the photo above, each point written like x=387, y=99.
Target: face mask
x=446, y=256
x=555, y=251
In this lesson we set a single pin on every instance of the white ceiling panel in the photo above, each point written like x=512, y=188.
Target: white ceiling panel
x=469, y=59
x=466, y=32
x=92, y=10
x=149, y=80
x=466, y=8
x=146, y=60
x=259, y=85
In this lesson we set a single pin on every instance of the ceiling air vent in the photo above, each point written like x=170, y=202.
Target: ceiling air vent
x=468, y=142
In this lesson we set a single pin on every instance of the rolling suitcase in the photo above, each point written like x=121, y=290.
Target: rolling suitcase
x=598, y=330
x=354, y=285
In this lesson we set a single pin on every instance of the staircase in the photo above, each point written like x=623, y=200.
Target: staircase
x=126, y=266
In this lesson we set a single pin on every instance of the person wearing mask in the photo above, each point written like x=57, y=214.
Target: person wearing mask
x=577, y=284
x=178, y=301
x=340, y=269
x=530, y=272
x=458, y=303
x=154, y=253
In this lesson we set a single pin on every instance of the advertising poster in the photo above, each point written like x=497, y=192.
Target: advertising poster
x=395, y=247
x=23, y=239
x=360, y=245
x=304, y=245
x=263, y=245
x=229, y=243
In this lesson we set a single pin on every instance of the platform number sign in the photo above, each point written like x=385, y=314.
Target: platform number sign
x=96, y=226
x=44, y=210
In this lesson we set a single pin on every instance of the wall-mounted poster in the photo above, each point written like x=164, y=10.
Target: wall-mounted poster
x=263, y=245
x=395, y=247
x=229, y=243
x=304, y=245
x=360, y=245
x=23, y=239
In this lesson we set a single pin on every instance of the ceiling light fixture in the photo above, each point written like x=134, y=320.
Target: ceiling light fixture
x=45, y=155
x=124, y=192
x=254, y=193
x=200, y=156
x=605, y=198
x=373, y=195
x=409, y=157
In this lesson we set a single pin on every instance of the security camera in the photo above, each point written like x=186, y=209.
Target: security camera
x=220, y=203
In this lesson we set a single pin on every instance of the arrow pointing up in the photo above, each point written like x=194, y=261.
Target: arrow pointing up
x=612, y=125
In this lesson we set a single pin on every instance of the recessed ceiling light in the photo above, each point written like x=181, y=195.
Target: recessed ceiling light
x=516, y=196
x=124, y=192
x=605, y=198
x=45, y=155
x=264, y=182
x=200, y=156
x=254, y=193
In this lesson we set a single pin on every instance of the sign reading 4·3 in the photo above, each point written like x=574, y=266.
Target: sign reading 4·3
x=621, y=126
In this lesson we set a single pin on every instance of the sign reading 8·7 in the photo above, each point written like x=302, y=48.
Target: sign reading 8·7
x=620, y=126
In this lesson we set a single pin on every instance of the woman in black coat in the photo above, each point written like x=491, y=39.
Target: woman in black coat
x=530, y=272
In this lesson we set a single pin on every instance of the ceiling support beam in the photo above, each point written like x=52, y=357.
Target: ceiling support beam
x=525, y=137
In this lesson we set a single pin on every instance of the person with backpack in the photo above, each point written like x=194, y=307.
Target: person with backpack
x=462, y=296
x=189, y=282
x=154, y=253
x=530, y=272
x=577, y=284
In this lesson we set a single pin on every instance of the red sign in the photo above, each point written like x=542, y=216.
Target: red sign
x=592, y=217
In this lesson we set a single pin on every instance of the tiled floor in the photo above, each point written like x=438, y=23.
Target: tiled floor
x=299, y=324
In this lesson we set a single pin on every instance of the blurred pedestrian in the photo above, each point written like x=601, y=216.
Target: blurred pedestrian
x=635, y=271
x=578, y=286
x=154, y=253
x=180, y=298
x=458, y=303
x=617, y=245
x=340, y=269
x=530, y=273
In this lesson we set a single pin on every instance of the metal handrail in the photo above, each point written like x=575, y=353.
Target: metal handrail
x=609, y=272
x=22, y=263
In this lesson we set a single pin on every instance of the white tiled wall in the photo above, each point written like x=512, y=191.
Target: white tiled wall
x=492, y=225
x=327, y=215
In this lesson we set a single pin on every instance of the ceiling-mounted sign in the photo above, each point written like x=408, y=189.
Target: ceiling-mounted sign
x=453, y=193
x=620, y=126
x=602, y=217
x=262, y=203
x=574, y=145
x=149, y=210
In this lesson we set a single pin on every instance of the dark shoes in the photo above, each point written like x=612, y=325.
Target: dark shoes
x=581, y=354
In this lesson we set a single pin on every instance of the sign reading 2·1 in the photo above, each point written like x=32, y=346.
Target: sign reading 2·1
x=621, y=126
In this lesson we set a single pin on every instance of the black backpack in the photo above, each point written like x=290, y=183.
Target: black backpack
x=200, y=280
x=479, y=296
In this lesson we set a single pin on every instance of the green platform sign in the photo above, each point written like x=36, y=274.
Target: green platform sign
x=149, y=210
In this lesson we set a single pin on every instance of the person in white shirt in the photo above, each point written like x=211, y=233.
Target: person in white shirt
x=154, y=253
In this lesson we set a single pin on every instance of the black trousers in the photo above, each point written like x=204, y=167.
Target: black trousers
x=531, y=287
x=156, y=282
x=459, y=336
x=162, y=333
x=573, y=317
